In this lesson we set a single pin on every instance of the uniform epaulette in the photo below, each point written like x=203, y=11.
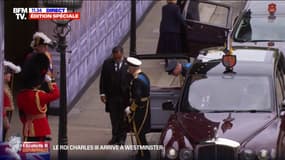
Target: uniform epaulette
x=143, y=79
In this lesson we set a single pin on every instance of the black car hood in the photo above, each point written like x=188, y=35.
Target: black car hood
x=239, y=127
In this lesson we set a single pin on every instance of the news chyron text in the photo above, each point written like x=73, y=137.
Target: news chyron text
x=45, y=14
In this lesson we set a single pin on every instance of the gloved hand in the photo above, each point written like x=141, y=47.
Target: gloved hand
x=128, y=110
x=103, y=98
x=16, y=69
x=47, y=78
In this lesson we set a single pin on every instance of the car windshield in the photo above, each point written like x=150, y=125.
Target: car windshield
x=233, y=93
x=260, y=28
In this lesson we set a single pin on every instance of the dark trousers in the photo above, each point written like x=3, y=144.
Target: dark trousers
x=117, y=115
x=146, y=153
x=4, y=134
x=142, y=117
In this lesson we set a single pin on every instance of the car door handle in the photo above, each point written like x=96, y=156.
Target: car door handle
x=188, y=27
x=220, y=36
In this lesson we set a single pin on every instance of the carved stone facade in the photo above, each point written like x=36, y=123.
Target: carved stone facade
x=103, y=25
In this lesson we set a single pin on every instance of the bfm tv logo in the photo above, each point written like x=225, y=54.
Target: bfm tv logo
x=20, y=13
x=45, y=14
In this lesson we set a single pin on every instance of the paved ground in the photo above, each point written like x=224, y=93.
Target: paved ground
x=87, y=121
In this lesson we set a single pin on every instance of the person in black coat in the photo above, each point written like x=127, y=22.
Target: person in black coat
x=170, y=29
x=139, y=110
x=114, y=92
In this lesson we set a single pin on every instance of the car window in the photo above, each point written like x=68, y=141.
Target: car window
x=237, y=93
x=260, y=28
x=207, y=13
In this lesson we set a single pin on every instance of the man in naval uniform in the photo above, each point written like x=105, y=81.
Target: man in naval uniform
x=175, y=68
x=178, y=69
x=139, y=111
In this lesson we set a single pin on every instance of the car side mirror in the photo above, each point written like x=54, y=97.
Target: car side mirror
x=168, y=106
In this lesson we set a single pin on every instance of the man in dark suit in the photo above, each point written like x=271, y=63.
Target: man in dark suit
x=170, y=29
x=114, y=92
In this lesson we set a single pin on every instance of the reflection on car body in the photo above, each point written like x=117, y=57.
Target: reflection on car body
x=261, y=23
x=230, y=116
x=247, y=93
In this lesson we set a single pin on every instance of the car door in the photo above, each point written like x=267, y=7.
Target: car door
x=164, y=87
x=159, y=95
x=208, y=24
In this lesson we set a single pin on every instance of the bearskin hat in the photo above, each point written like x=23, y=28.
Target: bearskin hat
x=35, y=69
x=10, y=67
x=40, y=38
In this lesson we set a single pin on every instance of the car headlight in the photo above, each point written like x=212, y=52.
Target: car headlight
x=263, y=154
x=247, y=154
x=185, y=154
x=273, y=153
x=171, y=153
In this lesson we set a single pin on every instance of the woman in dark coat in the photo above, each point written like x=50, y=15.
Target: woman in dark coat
x=170, y=29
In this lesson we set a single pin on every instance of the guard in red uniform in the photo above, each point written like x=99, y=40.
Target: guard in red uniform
x=32, y=101
x=8, y=103
x=40, y=44
x=6, y=125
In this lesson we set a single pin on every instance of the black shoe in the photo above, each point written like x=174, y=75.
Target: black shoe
x=146, y=156
x=121, y=142
x=112, y=141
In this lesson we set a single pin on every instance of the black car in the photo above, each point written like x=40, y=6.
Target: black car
x=261, y=23
x=255, y=23
x=229, y=114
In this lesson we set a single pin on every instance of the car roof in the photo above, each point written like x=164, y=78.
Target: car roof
x=260, y=7
x=250, y=61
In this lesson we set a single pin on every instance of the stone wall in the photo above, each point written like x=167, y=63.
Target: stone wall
x=1, y=60
x=103, y=25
